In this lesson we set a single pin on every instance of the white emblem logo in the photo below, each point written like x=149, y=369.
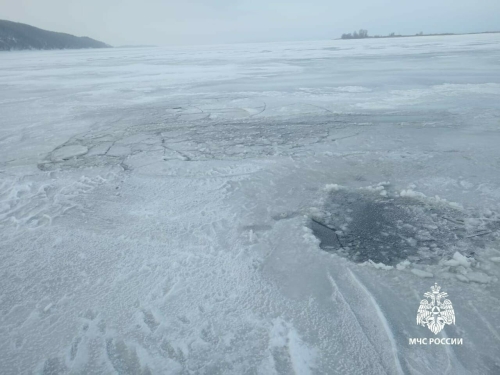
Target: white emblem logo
x=433, y=313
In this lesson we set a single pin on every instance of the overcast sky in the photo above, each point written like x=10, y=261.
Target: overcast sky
x=165, y=22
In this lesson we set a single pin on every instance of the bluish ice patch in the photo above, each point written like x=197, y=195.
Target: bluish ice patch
x=363, y=225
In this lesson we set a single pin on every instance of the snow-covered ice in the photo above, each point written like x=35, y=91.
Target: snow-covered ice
x=223, y=209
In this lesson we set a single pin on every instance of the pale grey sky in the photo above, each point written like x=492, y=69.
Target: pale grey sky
x=165, y=22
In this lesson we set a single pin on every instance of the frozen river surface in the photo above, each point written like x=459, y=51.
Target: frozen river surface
x=250, y=209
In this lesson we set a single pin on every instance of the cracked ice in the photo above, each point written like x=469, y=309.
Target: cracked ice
x=156, y=207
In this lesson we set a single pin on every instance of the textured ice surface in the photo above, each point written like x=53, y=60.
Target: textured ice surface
x=156, y=204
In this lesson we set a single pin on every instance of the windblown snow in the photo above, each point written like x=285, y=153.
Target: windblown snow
x=270, y=208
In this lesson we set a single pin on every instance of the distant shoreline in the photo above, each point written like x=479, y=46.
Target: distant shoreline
x=15, y=36
x=137, y=46
x=414, y=36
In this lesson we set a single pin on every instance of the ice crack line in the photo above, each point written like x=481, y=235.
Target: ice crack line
x=332, y=229
x=383, y=320
x=336, y=289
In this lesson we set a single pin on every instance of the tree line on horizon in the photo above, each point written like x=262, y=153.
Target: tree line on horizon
x=356, y=35
x=362, y=34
